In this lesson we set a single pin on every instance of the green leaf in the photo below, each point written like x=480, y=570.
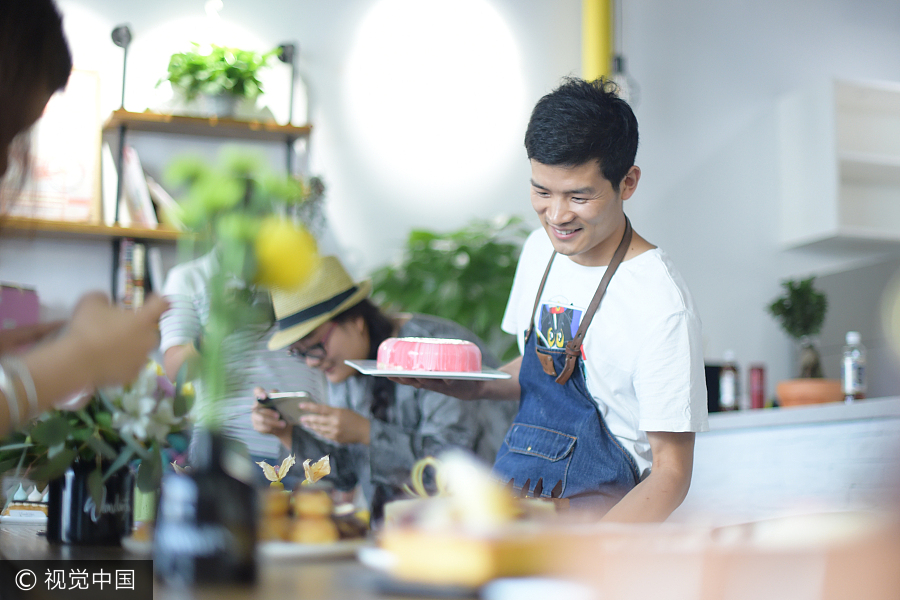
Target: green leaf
x=16, y=446
x=121, y=460
x=8, y=463
x=150, y=471
x=55, y=466
x=136, y=446
x=95, y=485
x=52, y=431
x=101, y=447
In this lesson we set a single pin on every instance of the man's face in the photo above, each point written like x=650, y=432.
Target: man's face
x=579, y=209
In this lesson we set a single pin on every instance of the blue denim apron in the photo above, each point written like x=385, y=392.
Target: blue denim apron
x=559, y=445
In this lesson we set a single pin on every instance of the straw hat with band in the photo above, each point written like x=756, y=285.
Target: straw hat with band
x=329, y=291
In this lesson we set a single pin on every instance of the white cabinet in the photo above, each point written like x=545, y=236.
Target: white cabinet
x=840, y=165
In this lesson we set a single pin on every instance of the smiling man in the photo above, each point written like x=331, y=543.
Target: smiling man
x=610, y=381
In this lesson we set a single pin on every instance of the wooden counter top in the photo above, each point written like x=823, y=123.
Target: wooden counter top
x=876, y=408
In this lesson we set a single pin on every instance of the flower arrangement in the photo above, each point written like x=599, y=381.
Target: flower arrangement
x=118, y=426
x=250, y=216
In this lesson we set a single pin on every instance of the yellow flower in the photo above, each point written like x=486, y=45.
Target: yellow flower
x=285, y=254
x=275, y=476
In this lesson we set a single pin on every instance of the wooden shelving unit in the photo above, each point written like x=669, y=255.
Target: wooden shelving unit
x=208, y=127
x=42, y=228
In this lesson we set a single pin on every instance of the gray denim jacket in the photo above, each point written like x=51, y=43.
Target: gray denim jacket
x=419, y=423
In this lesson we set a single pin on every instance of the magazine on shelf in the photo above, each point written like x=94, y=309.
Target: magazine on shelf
x=168, y=210
x=135, y=191
x=110, y=186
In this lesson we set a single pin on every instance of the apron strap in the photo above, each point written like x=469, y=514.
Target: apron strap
x=573, y=346
x=537, y=299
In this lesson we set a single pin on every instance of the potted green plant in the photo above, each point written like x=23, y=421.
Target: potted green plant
x=463, y=275
x=222, y=75
x=800, y=311
x=85, y=457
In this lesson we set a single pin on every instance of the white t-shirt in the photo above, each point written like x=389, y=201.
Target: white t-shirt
x=250, y=360
x=643, y=350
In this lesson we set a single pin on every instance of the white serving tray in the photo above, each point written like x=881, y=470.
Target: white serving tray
x=370, y=367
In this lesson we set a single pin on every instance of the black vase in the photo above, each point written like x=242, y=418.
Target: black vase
x=74, y=518
x=206, y=521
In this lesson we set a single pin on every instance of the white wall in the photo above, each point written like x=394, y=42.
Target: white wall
x=709, y=75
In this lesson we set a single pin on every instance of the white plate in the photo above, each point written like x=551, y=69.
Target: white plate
x=288, y=550
x=370, y=367
x=41, y=520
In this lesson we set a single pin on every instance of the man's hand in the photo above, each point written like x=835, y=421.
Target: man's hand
x=467, y=389
x=458, y=388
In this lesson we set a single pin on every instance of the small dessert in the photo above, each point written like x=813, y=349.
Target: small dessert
x=314, y=530
x=308, y=514
x=311, y=502
x=27, y=504
x=429, y=354
x=276, y=503
x=275, y=529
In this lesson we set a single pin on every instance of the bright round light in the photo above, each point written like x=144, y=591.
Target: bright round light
x=434, y=93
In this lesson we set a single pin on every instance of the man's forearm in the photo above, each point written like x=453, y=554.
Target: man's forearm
x=650, y=501
x=665, y=488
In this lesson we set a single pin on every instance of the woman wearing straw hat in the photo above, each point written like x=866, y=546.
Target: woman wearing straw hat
x=373, y=428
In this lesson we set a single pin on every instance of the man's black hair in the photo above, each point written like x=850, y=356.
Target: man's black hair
x=582, y=121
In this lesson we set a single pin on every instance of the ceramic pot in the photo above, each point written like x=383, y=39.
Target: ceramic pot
x=814, y=390
x=222, y=106
x=74, y=518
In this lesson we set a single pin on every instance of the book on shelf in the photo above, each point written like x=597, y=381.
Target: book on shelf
x=155, y=270
x=131, y=273
x=135, y=191
x=168, y=211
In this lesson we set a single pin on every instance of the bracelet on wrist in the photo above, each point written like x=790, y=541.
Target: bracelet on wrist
x=8, y=388
x=20, y=369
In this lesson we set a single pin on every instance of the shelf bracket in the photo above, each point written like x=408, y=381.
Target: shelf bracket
x=286, y=55
x=121, y=37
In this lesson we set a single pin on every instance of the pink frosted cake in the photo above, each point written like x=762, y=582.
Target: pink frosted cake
x=429, y=354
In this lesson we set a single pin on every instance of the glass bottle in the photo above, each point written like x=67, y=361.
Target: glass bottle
x=853, y=368
x=206, y=521
x=729, y=388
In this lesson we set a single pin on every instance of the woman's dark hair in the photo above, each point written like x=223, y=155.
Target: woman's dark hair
x=34, y=57
x=380, y=328
x=582, y=121
x=33, y=47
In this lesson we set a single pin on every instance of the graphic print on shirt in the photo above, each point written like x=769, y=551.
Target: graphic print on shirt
x=557, y=323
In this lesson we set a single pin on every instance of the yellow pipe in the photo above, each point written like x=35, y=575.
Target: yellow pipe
x=596, y=38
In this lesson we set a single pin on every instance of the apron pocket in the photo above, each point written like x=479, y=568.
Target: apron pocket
x=532, y=453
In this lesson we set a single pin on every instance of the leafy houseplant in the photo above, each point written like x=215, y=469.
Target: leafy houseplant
x=801, y=313
x=221, y=71
x=464, y=276
x=117, y=426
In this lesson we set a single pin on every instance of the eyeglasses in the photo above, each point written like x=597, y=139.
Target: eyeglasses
x=316, y=352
